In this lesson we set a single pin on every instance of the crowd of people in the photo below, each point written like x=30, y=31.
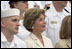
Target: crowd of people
x=35, y=24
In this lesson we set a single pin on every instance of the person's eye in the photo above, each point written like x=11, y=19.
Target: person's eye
x=15, y=20
x=40, y=19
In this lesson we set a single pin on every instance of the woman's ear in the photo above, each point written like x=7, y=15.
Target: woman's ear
x=32, y=27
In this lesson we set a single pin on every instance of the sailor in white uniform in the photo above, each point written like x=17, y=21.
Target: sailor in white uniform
x=53, y=21
x=9, y=29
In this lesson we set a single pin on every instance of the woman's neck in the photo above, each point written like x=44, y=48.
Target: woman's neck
x=39, y=36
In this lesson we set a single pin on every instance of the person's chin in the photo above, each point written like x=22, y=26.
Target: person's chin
x=43, y=29
x=16, y=32
x=26, y=8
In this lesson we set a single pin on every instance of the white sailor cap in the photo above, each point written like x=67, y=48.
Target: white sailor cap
x=10, y=12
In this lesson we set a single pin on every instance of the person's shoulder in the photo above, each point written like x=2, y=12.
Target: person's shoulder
x=61, y=40
x=29, y=41
x=51, y=12
x=20, y=42
x=66, y=13
x=28, y=38
x=61, y=43
x=48, y=11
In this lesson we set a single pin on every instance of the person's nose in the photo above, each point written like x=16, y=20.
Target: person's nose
x=44, y=22
x=18, y=24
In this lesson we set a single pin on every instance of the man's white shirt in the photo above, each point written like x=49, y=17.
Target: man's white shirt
x=16, y=42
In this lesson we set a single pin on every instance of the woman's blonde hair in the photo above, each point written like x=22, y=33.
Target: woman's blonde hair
x=65, y=31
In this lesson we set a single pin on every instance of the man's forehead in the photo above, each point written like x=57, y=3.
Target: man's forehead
x=13, y=17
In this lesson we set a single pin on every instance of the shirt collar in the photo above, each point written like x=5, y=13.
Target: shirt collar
x=36, y=40
x=3, y=38
x=54, y=12
x=33, y=36
x=15, y=40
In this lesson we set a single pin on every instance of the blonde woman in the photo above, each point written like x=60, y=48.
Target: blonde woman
x=65, y=34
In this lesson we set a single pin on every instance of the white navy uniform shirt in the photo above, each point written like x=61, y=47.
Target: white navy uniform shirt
x=68, y=7
x=5, y=5
x=16, y=43
x=53, y=23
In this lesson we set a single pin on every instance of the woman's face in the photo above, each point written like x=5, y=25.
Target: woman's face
x=40, y=23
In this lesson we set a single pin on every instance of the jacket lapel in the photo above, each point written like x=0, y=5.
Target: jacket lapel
x=36, y=40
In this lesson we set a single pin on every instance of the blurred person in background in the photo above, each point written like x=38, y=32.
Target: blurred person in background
x=54, y=17
x=22, y=6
